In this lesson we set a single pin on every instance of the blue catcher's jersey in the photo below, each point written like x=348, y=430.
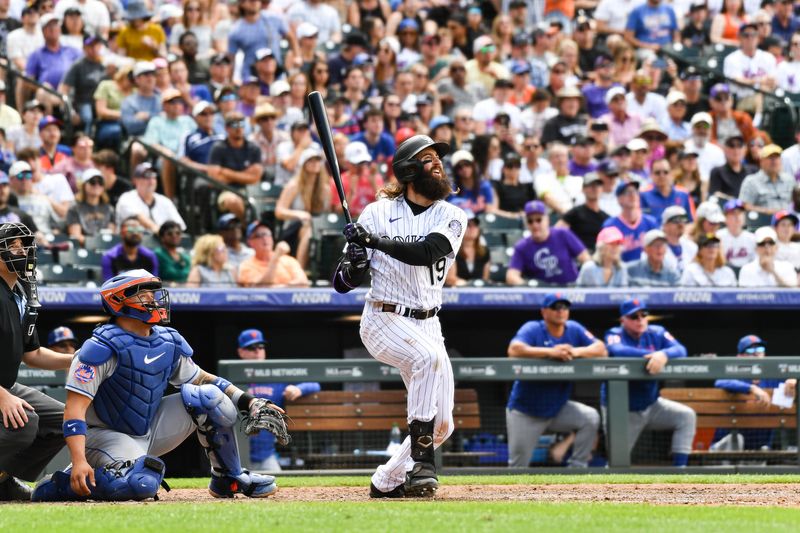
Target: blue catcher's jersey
x=128, y=398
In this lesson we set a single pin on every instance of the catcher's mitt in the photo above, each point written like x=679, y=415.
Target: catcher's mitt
x=264, y=414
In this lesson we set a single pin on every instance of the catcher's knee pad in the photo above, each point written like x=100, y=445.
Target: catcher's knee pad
x=209, y=405
x=120, y=481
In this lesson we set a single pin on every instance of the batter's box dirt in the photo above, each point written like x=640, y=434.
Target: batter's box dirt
x=780, y=494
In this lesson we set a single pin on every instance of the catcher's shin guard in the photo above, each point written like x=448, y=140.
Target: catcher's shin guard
x=421, y=480
x=215, y=414
x=118, y=481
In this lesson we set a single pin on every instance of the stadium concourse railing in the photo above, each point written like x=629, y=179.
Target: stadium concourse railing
x=617, y=372
x=13, y=75
x=198, y=215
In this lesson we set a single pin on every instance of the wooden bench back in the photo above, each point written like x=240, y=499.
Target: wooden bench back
x=371, y=410
x=717, y=408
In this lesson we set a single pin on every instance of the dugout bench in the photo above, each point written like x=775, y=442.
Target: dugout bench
x=720, y=409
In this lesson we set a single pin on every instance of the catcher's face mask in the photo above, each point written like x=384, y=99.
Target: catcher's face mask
x=19, y=256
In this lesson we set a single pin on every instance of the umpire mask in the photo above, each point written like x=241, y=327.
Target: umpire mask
x=18, y=250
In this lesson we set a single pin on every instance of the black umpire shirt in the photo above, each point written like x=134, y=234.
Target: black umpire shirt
x=12, y=335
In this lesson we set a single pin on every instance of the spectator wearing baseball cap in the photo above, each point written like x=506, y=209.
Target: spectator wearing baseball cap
x=708, y=219
x=92, y=213
x=62, y=340
x=269, y=267
x=50, y=63
x=708, y=268
x=594, y=93
x=360, y=179
x=144, y=103
x=738, y=243
x=631, y=221
x=510, y=194
x=229, y=227
x=644, y=102
x=696, y=31
x=51, y=152
x=749, y=66
x=723, y=113
x=534, y=408
x=766, y=270
x=473, y=193
x=677, y=128
x=709, y=155
x=770, y=189
x=786, y=225
x=196, y=146
x=650, y=269
x=252, y=347
x=725, y=181
x=586, y=220
x=353, y=44
x=636, y=337
x=482, y=68
x=268, y=137
x=548, y=255
x=608, y=171
x=485, y=111
x=149, y=208
x=681, y=249
x=83, y=77
x=605, y=269
x=622, y=125
x=522, y=88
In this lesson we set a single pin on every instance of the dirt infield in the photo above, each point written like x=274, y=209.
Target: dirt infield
x=782, y=494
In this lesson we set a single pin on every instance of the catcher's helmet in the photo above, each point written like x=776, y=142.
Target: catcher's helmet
x=20, y=260
x=136, y=294
x=406, y=168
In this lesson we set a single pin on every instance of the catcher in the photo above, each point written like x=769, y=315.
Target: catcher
x=117, y=421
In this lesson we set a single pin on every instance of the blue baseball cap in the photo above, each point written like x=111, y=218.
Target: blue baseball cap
x=438, y=121
x=553, y=298
x=60, y=334
x=252, y=227
x=748, y=341
x=363, y=59
x=535, y=207
x=732, y=205
x=227, y=221
x=620, y=190
x=521, y=67
x=408, y=24
x=629, y=307
x=249, y=337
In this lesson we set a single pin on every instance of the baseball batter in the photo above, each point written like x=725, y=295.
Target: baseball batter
x=408, y=240
x=117, y=421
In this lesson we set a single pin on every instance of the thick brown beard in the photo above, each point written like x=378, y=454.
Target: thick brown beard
x=431, y=187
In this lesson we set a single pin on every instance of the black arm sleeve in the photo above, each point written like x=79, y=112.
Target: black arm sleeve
x=347, y=277
x=421, y=253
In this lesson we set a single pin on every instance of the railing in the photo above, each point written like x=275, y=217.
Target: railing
x=194, y=214
x=616, y=371
x=13, y=74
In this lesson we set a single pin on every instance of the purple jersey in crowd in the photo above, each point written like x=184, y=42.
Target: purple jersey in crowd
x=550, y=261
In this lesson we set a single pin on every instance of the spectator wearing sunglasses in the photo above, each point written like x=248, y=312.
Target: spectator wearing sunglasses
x=252, y=347
x=750, y=439
x=35, y=204
x=765, y=270
x=483, y=68
x=92, y=213
x=549, y=255
x=727, y=121
x=651, y=270
x=129, y=254
x=635, y=337
x=749, y=66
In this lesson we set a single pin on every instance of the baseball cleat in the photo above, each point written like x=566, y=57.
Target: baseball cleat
x=14, y=490
x=397, y=492
x=249, y=484
x=421, y=481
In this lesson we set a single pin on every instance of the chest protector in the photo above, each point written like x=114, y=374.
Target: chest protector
x=128, y=400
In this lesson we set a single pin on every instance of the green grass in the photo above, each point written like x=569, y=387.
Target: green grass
x=267, y=516
x=565, y=479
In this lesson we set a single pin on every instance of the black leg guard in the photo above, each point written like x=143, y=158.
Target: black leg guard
x=422, y=480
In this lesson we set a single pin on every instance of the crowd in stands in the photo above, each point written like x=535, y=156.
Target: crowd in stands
x=608, y=160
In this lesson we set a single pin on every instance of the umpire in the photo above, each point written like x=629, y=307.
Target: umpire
x=31, y=433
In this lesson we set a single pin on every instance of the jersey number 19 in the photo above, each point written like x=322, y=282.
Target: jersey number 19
x=437, y=271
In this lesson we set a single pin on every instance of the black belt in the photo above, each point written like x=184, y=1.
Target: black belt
x=417, y=314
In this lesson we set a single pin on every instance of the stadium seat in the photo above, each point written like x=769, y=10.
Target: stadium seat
x=104, y=241
x=756, y=220
x=329, y=223
x=62, y=275
x=491, y=222
x=497, y=273
x=80, y=258
x=492, y=239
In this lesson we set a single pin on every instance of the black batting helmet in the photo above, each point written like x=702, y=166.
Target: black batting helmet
x=406, y=168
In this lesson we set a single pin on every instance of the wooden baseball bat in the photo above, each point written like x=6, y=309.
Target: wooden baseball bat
x=320, y=116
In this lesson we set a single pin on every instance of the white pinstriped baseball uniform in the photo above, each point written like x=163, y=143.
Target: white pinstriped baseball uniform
x=415, y=347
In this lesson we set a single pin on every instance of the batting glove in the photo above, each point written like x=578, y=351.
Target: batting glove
x=358, y=234
x=357, y=256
